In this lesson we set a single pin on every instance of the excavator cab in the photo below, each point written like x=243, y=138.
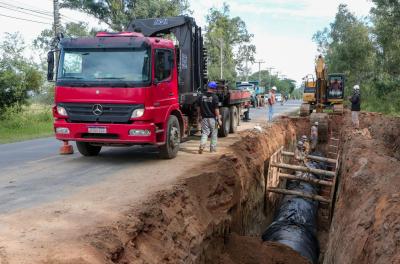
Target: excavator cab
x=335, y=93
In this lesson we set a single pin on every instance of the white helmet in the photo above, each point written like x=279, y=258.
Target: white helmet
x=356, y=87
x=274, y=88
x=316, y=123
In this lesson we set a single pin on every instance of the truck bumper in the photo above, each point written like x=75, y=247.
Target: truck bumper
x=115, y=133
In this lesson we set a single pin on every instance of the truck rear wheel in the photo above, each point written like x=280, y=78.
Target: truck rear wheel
x=86, y=149
x=233, y=112
x=223, y=131
x=173, y=138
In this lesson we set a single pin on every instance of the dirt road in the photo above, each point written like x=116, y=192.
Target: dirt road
x=48, y=200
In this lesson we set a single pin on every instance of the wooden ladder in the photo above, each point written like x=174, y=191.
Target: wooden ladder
x=276, y=182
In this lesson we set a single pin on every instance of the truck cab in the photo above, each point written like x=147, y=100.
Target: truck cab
x=117, y=89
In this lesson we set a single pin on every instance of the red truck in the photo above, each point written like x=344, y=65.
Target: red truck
x=137, y=87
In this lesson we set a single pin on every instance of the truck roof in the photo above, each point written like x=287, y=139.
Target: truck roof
x=115, y=40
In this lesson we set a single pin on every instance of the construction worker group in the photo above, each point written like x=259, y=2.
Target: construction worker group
x=305, y=146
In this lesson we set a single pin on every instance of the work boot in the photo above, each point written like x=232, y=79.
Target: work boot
x=200, y=150
x=213, y=149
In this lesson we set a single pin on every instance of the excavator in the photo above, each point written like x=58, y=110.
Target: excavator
x=324, y=92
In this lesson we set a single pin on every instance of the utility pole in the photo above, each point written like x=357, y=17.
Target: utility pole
x=259, y=69
x=56, y=15
x=270, y=75
x=221, y=42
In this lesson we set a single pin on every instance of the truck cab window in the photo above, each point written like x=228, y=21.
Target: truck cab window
x=163, y=65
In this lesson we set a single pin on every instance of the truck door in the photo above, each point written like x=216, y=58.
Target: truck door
x=165, y=93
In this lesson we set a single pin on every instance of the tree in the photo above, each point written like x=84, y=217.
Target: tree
x=118, y=13
x=347, y=47
x=245, y=57
x=226, y=33
x=72, y=29
x=18, y=76
x=285, y=86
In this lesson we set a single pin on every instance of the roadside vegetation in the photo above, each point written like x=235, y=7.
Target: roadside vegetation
x=27, y=122
x=367, y=50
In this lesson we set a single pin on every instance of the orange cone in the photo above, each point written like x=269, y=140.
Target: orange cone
x=66, y=148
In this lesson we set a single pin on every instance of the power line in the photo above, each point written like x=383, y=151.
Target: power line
x=38, y=12
x=45, y=13
x=35, y=21
x=23, y=12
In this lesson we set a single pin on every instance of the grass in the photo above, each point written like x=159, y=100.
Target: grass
x=31, y=122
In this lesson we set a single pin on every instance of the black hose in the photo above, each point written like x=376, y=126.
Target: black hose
x=295, y=222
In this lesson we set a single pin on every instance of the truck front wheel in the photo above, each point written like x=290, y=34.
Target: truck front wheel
x=226, y=122
x=233, y=111
x=173, y=138
x=86, y=149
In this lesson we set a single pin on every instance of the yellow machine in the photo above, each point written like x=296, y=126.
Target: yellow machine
x=324, y=92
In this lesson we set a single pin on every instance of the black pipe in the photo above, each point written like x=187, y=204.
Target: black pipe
x=295, y=222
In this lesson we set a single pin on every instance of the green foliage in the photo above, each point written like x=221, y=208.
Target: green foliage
x=227, y=33
x=347, y=47
x=368, y=53
x=117, y=14
x=44, y=40
x=18, y=76
x=285, y=86
x=19, y=123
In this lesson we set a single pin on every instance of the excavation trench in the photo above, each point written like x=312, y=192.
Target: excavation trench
x=220, y=215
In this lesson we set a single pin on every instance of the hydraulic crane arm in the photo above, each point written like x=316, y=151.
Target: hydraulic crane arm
x=192, y=59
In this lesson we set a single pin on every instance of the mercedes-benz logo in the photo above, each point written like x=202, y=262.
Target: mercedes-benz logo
x=97, y=109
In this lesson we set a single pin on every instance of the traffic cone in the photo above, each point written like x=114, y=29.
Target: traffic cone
x=66, y=148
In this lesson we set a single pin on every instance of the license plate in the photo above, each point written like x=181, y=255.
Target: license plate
x=97, y=130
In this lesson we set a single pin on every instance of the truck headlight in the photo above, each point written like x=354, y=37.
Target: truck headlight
x=61, y=111
x=137, y=112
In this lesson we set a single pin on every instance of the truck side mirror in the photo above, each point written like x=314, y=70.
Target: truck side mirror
x=50, y=66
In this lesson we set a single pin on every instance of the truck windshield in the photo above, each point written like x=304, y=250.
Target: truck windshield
x=105, y=66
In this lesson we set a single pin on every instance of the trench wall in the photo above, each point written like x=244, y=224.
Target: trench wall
x=190, y=222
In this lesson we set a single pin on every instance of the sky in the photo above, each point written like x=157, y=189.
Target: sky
x=282, y=29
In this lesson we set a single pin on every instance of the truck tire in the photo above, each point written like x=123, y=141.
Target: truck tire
x=86, y=149
x=233, y=112
x=173, y=138
x=223, y=131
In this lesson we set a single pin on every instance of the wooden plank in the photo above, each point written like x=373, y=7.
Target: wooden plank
x=287, y=153
x=301, y=194
x=303, y=169
x=305, y=179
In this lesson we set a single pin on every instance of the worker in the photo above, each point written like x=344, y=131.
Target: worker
x=306, y=144
x=299, y=154
x=210, y=118
x=355, y=106
x=271, y=103
x=314, y=136
x=246, y=114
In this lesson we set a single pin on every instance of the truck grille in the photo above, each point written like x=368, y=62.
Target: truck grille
x=100, y=113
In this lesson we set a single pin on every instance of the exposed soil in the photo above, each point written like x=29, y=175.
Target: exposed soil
x=217, y=212
x=366, y=224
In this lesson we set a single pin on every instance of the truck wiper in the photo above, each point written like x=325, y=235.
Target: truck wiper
x=71, y=77
x=111, y=78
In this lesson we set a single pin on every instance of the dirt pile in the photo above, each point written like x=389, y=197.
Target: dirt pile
x=366, y=223
x=189, y=223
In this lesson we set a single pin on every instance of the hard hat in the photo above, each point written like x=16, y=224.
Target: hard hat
x=300, y=144
x=212, y=85
x=303, y=137
x=274, y=88
x=316, y=123
x=356, y=87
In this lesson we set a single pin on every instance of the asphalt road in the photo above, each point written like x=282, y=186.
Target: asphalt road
x=32, y=172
